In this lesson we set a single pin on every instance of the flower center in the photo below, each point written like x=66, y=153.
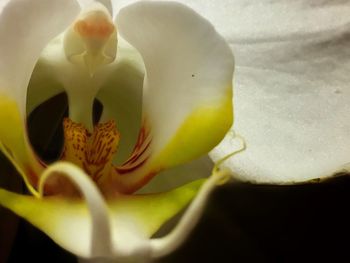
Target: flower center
x=94, y=151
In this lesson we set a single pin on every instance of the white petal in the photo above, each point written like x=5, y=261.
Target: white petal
x=187, y=91
x=292, y=90
x=25, y=28
x=184, y=60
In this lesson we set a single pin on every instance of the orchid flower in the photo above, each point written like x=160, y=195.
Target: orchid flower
x=84, y=202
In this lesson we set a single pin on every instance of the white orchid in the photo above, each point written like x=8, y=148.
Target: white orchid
x=291, y=84
x=84, y=202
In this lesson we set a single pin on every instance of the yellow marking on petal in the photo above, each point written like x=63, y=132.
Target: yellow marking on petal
x=199, y=133
x=151, y=211
x=75, y=140
x=13, y=143
x=11, y=129
x=68, y=223
x=92, y=152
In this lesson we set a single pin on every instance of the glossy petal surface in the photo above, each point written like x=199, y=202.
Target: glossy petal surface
x=187, y=92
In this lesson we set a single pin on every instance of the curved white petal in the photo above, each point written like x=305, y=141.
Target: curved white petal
x=24, y=32
x=292, y=89
x=97, y=236
x=187, y=62
x=187, y=93
x=23, y=29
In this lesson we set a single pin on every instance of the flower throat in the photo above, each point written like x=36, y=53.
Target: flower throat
x=94, y=151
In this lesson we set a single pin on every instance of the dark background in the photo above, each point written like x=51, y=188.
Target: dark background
x=242, y=222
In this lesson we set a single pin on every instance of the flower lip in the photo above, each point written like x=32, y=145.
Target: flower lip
x=93, y=152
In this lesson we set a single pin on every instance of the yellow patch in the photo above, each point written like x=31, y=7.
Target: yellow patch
x=11, y=126
x=13, y=142
x=199, y=133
